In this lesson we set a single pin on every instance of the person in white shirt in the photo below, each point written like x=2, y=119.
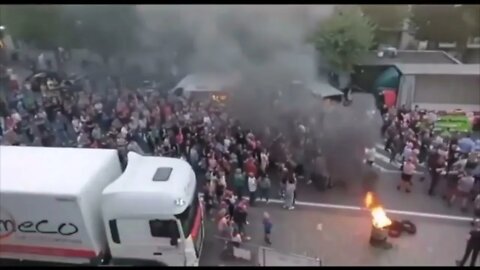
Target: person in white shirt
x=207, y=120
x=227, y=142
x=221, y=185
x=407, y=152
x=464, y=189
x=459, y=166
x=16, y=117
x=407, y=173
x=252, y=188
x=370, y=155
x=290, y=193
x=264, y=161
x=77, y=125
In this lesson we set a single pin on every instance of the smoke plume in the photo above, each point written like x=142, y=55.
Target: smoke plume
x=267, y=46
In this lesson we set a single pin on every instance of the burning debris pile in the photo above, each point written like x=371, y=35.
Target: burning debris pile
x=380, y=223
x=382, y=226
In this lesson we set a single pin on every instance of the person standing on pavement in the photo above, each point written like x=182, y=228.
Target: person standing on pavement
x=283, y=180
x=239, y=183
x=267, y=228
x=464, y=189
x=370, y=155
x=390, y=134
x=407, y=152
x=252, y=188
x=207, y=198
x=395, y=147
x=264, y=157
x=289, y=193
x=250, y=166
x=407, y=175
x=435, y=166
x=264, y=185
x=240, y=217
x=220, y=186
x=472, y=246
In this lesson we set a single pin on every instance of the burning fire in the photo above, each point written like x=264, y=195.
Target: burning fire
x=369, y=200
x=380, y=219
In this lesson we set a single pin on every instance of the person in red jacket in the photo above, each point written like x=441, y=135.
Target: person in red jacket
x=250, y=166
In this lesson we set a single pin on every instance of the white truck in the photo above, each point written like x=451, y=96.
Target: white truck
x=76, y=206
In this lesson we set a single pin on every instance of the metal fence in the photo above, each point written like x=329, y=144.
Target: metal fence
x=249, y=254
x=270, y=257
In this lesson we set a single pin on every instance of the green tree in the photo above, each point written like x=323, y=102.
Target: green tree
x=108, y=30
x=344, y=38
x=388, y=19
x=440, y=23
x=471, y=16
x=42, y=26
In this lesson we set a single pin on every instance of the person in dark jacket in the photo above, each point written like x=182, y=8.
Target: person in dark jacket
x=472, y=246
x=435, y=165
x=240, y=217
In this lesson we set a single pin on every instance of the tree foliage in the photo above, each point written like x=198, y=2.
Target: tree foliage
x=106, y=29
x=43, y=26
x=386, y=17
x=344, y=38
x=471, y=16
x=442, y=23
x=388, y=20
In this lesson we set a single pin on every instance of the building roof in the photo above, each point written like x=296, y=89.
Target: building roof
x=324, y=89
x=139, y=183
x=56, y=171
x=199, y=82
x=409, y=57
x=439, y=69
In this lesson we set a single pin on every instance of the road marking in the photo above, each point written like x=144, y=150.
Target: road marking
x=356, y=208
x=380, y=146
x=382, y=169
x=391, y=211
x=387, y=159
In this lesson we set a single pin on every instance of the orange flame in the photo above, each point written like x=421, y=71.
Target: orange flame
x=368, y=200
x=380, y=219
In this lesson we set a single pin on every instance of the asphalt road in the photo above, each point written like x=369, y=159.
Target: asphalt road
x=351, y=194
x=340, y=238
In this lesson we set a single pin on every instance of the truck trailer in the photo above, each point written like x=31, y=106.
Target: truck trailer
x=77, y=206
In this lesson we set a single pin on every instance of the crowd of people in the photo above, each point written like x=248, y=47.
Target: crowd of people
x=233, y=161
x=46, y=110
x=451, y=156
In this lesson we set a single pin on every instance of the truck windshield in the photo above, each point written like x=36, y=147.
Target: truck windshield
x=163, y=228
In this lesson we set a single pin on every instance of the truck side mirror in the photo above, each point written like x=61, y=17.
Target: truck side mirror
x=174, y=241
x=174, y=234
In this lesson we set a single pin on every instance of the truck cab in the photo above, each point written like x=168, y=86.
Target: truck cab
x=152, y=213
x=76, y=206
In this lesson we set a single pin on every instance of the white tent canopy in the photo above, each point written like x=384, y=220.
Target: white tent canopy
x=204, y=82
x=324, y=89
